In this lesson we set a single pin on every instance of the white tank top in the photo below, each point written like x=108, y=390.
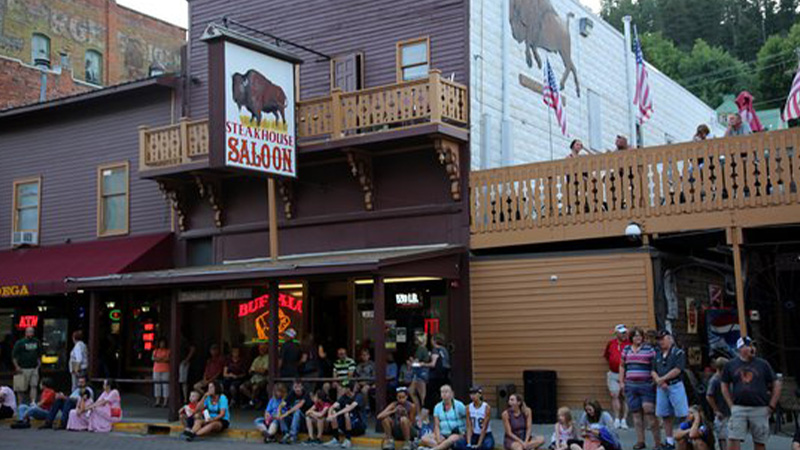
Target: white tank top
x=478, y=416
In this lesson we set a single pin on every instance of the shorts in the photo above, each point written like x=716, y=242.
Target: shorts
x=672, y=401
x=29, y=378
x=183, y=372
x=612, y=381
x=225, y=424
x=721, y=428
x=637, y=394
x=358, y=427
x=752, y=419
x=420, y=374
x=397, y=430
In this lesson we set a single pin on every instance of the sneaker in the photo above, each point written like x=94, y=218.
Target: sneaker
x=667, y=446
x=46, y=426
x=20, y=425
x=346, y=443
x=388, y=445
x=318, y=441
x=408, y=446
x=639, y=446
x=188, y=437
x=285, y=439
x=623, y=424
x=331, y=443
x=616, y=423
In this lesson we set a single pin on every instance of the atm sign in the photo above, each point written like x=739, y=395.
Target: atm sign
x=27, y=321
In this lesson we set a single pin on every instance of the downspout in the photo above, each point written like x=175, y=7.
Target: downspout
x=629, y=81
x=506, y=157
x=43, y=85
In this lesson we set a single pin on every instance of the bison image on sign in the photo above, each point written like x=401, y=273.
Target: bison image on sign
x=257, y=94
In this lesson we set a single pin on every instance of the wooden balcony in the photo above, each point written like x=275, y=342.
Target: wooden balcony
x=336, y=117
x=749, y=181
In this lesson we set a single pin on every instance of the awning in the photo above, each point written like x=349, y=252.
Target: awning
x=45, y=270
x=440, y=260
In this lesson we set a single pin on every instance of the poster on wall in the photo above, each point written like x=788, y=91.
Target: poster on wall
x=691, y=316
x=715, y=295
x=259, y=112
x=723, y=332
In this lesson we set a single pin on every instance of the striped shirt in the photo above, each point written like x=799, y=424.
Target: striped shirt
x=638, y=363
x=342, y=368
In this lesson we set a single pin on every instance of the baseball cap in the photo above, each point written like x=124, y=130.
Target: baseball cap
x=744, y=341
x=621, y=328
x=664, y=333
x=476, y=390
x=290, y=333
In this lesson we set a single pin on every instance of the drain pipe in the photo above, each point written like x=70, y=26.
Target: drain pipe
x=43, y=86
x=629, y=82
x=506, y=157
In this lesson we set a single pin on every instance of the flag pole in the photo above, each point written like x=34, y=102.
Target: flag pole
x=550, y=133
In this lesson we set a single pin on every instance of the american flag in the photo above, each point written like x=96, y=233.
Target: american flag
x=792, y=109
x=642, y=97
x=552, y=98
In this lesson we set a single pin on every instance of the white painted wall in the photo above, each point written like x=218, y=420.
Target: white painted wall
x=600, y=63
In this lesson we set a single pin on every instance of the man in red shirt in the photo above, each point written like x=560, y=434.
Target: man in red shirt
x=613, y=355
x=213, y=370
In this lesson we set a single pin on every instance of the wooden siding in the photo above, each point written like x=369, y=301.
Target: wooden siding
x=522, y=319
x=65, y=146
x=372, y=27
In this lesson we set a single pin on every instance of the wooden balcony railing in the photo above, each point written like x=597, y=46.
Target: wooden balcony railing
x=173, y=145
x=740, y=181
x=336, y=116
x=342, y=114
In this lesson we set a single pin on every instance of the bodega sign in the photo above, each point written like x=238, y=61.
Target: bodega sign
x=252, y=104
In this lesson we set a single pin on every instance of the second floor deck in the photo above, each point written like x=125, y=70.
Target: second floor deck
x=749, y=181
x=340, y=118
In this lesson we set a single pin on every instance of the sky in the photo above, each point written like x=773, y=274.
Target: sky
x=175, y=11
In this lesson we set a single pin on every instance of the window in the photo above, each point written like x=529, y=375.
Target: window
x=112, y=201
x=200, y=252
x=27, y=197
x=413, y=59
x=40, y=50
x=94, y=67
x=347, y=72
x=595, y=121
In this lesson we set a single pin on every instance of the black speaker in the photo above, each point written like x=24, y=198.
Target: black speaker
x=541, y=395
x=503, y=392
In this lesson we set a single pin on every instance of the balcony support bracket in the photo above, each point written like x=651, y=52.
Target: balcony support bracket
x=286, y=191
x=361, y=168
x=210, y=189
x=174, y=193
x=449, y=157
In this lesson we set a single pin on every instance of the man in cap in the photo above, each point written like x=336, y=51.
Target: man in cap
x=613, y=354
x=671, y=400
x=290, y=355
x=752, y=390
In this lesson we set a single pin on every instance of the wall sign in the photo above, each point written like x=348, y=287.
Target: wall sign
x=408, y=300
x=31, y=321
x=252, y=93
x=284, y=301
x=14, y=290
x=115, y=315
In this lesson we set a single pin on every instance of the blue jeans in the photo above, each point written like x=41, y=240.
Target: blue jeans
x=672, y=401
x=64, y=406
x=297, y=419
x=27, y=412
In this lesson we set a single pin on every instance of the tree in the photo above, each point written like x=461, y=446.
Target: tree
x=711, y=72
x=662, y=53
x=775, y=68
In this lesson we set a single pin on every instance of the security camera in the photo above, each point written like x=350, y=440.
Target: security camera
x=633, y=231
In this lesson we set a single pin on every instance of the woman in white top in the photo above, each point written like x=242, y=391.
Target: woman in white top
x=78, y=358
x=478, y=430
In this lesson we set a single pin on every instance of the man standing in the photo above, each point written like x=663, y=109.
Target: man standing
x=64, y=404
x=747, y=382
x=78, y=358
x=613, y=355
x=671, y=401
x=27, y=359
x=289, y=355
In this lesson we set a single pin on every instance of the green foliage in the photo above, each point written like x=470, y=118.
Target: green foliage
x=662, y=53
x=711, y=72
x=775, y=68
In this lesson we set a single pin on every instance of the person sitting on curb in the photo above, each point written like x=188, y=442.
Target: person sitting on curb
x=64, y=404
x=8, y=402
x=273, y=422
x=213, y=416
x=299, y=402
x=397, y=421
x=449, y=423
x=315, y=417
x=694, y=433
x=345, y=414
x=478, y=430
x=38, y=411
x=517, y=420
x=186, y=413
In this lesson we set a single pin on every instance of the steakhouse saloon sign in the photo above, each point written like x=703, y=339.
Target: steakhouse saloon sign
x=252, y=100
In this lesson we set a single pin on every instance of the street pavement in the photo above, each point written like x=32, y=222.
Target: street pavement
x=34, y=439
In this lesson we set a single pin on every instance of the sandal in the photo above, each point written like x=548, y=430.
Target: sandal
x=639, y=446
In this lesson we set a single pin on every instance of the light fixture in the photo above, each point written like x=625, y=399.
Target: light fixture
x=398, y=280
x=110, y=305
x=291, y=286
x=80, y=291
x=633, y=231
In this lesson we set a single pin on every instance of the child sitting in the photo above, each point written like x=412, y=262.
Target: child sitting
x=186, y=413
x=565, y=433
x=272, y=422
x=694, y=433
x=426, y=435
x=315, y=417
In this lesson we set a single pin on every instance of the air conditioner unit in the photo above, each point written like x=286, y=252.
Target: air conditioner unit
x=25, y=238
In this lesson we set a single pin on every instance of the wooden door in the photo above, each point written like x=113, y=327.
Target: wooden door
x=346, y=72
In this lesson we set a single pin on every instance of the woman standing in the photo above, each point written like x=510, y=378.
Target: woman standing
x=213, y=416
x=636, y=381
x=518, y=423
x=78, y=358
x=419, y=380
x=161, y=374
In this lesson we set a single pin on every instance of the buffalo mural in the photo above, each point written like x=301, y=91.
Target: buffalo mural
x=257, y=94
x=536, y=24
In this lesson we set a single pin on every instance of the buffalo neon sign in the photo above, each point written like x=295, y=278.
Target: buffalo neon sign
x=285, y=301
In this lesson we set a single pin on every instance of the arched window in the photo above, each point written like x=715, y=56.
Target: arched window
x=40, y=50
x=94, y=67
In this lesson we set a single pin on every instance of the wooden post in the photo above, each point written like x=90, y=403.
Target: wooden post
x=435, y=99
x=184, y=144
x=142, y=147
x=273, y=220
x=174, y=356
x=273, y=321
x=94, y=333
x=379, y=337
x=735, y=240
x=336, y=113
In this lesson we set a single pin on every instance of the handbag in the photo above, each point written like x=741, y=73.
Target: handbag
x=116, y=413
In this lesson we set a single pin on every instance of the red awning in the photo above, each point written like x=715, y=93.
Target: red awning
x=43, y=270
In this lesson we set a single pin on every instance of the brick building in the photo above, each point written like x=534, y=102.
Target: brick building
x=55, y=48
